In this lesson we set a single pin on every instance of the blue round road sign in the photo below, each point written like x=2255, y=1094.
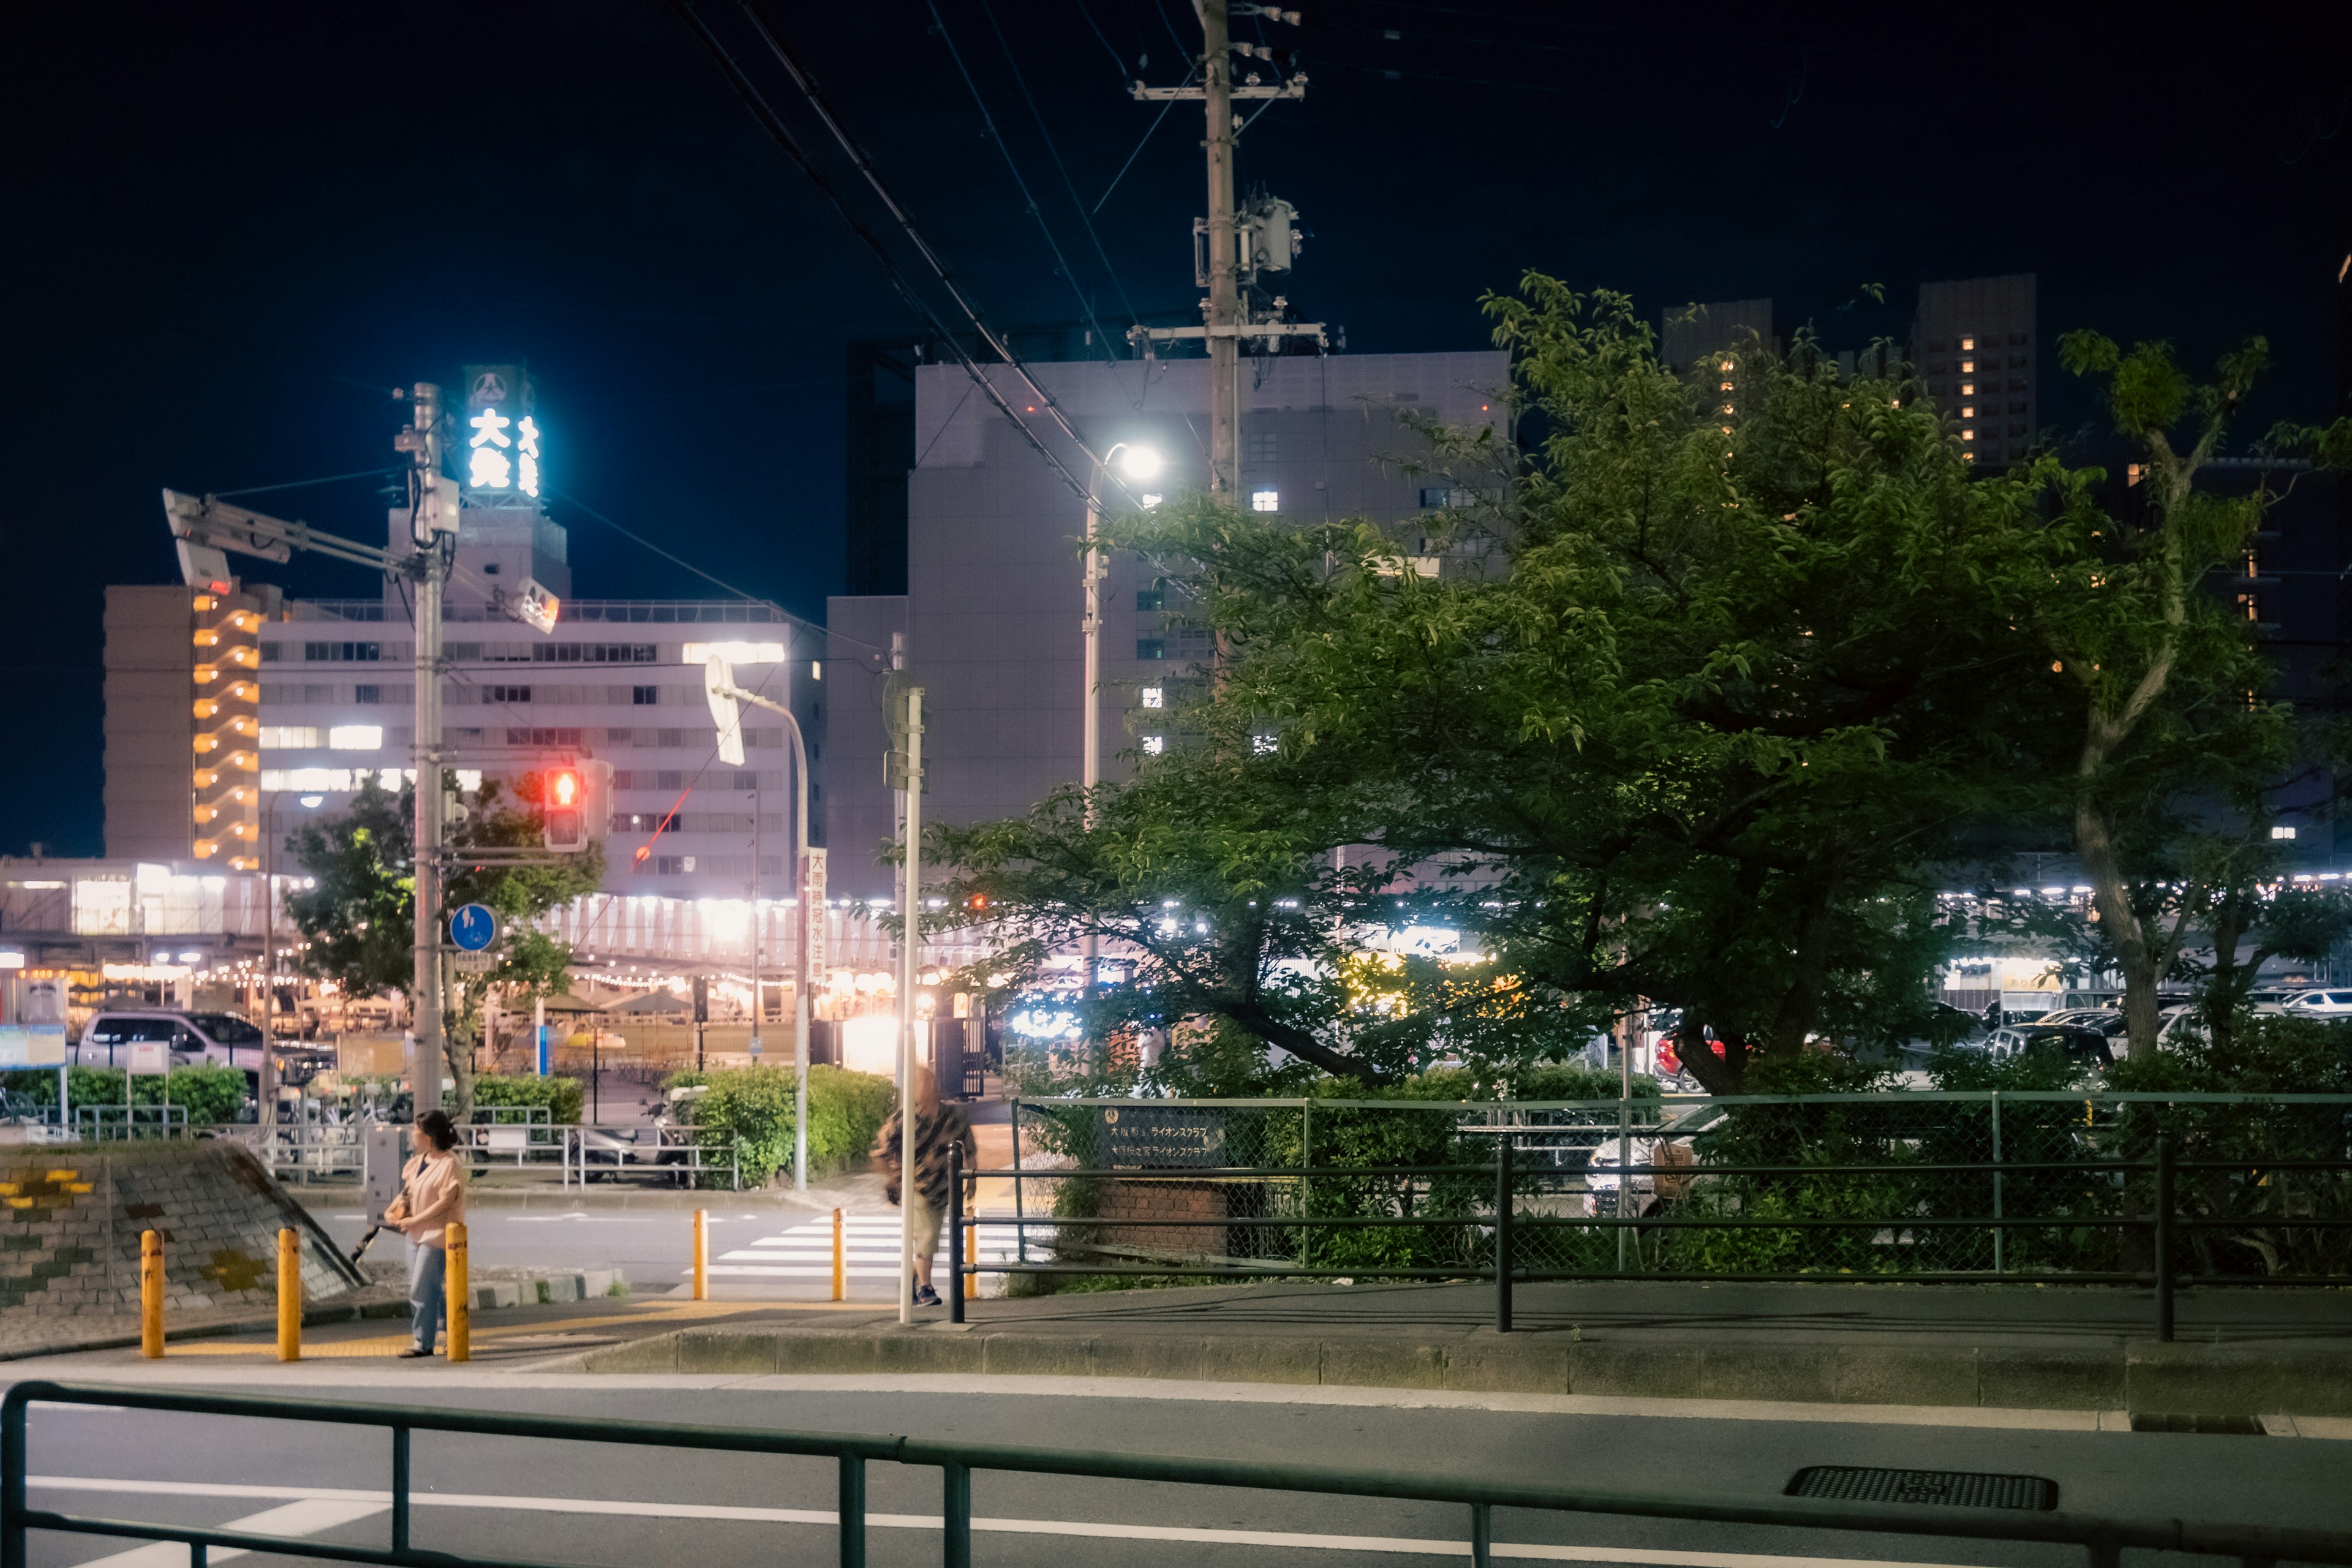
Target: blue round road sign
x=473, y=928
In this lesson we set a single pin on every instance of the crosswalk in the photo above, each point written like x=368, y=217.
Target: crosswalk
x=869, y=1251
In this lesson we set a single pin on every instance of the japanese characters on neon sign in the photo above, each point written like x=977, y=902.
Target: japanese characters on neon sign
x=501, y=435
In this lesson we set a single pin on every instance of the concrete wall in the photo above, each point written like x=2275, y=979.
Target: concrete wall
x=150, y=724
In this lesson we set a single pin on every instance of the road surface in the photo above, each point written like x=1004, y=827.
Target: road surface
x=595, y=1505
x=769, y=1255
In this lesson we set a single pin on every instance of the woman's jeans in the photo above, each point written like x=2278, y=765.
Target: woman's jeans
x=425, y=1273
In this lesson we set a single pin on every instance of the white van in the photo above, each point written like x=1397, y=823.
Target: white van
x=223, y=1039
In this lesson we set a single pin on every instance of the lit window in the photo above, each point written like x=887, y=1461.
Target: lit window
x=356, y=737
x=1727, y=387
x=287, y=737
x=1967, y=342
x=1967, y=410
x=1266, y=500
x=2281, y=833
x=1155, y=697
x=1154, y=744
x=1150, y=647
x=1727, y=408
x=1725, y=367
x=1967, y=389
x=1261, y=745
x=1968, y=367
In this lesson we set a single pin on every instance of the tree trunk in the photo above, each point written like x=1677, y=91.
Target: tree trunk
x=2095, y=841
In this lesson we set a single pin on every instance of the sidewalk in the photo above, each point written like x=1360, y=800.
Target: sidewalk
x=2246, y=1353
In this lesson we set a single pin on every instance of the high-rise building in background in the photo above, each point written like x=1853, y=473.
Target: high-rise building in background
x=1973, y=345
x=294, y=701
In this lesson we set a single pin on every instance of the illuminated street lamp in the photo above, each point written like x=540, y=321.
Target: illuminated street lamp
x=1141, y=464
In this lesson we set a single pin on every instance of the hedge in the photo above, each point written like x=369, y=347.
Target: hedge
x=756, y=1104
x=212, y=1093
x=562, y=1096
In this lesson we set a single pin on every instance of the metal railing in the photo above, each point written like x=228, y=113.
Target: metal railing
x=1474, y=1238
x=571, y=1151
x=2101, y=1538
x=110, y=1124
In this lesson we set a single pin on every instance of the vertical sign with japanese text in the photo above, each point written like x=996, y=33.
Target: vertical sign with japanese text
x=501, y=433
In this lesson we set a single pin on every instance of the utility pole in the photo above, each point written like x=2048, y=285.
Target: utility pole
x=1224, y=259
x=1224, y=290
x=428, y=566
x=265, y=1110
x=910, y=971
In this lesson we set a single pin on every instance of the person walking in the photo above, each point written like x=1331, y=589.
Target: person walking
x=432, y=1196
x=938, y=1129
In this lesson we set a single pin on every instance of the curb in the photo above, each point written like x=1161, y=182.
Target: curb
x=376, y=1303
x=2295, y=1377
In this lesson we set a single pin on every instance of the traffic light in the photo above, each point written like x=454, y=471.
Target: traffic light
x=702, y=998
x=576, y=801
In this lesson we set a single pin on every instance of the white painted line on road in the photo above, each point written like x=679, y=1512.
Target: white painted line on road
x=330, y=1499
x=312, y=1514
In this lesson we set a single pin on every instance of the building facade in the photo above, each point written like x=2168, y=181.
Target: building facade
x=991, y=619
x=295, y=703
x=1974, y=345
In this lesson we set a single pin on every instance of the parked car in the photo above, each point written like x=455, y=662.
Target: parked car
x=2084, y=1046
x=2318, y=1004
x=192, y=1039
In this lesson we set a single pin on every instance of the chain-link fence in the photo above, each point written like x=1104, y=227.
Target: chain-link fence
x=1915, y=1186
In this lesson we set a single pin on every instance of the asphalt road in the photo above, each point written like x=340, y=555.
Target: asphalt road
x=595, y=1505
x=770, y=1255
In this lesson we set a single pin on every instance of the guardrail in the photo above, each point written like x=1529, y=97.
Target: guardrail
x=2101, y=1538
x=576, y=1151
x=1486, y=1238
x=114, y=1123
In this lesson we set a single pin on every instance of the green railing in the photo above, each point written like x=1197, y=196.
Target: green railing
x=2102, y=1539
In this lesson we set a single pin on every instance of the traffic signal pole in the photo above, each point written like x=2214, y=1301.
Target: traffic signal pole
x=421, y=441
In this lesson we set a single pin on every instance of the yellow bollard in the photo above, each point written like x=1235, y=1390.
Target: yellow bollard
x=150, y=1294
x=458, y=1293
x=839, y=1272
x=289, y=1296
x=702, y=1255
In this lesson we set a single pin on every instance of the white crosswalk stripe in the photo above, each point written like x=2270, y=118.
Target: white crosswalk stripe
x=869, y=1245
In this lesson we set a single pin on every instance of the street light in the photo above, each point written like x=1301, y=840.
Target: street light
x=1140, y=463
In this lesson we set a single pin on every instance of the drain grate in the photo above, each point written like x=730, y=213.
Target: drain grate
x=1947, y=1488
x=2209, y=1425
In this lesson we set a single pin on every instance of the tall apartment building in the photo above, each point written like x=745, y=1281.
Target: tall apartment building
x=1974, y=344
x=328, y=687
x=991, y=620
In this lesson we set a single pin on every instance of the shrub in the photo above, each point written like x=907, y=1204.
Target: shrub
x=756, y=1105
x=562, y=1096
x=212, y=1093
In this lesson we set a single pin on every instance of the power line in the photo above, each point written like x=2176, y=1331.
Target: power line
x=864, y=166
x=305, y=484
x=770, y=122
x=987, y=124
x=743, y=594
x=1144, y=142
x=1118, y=60
x=1055, y=152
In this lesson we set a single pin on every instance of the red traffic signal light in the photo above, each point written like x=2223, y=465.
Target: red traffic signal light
x=576, y=801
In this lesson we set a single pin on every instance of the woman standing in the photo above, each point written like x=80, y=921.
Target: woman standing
x=938, y=1129
x=432, y=1196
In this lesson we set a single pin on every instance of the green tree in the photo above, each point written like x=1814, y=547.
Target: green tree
x=1711, y=696
x=2172, y=728
x=358, y=917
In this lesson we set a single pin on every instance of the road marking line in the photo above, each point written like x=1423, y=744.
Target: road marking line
x=314, y=1512
x=367, y=1502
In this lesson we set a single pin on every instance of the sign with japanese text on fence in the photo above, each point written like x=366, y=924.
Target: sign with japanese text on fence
x=1162, y=1138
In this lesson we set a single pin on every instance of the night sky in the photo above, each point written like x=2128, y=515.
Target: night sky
x=232, y=228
